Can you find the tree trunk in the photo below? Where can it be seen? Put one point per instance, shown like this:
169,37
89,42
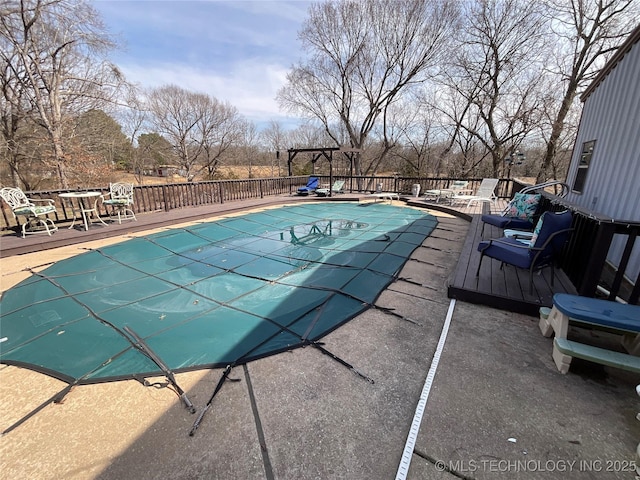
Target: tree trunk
556,131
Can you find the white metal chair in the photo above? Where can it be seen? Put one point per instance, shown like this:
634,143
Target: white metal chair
121,199
35,215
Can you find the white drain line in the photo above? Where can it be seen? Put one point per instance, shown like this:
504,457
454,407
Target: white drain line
403,468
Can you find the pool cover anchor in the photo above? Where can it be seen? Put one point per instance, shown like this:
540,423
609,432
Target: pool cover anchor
227,371
319,345
143,347
196,424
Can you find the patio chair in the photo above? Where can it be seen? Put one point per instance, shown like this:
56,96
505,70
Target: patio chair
121,199
522,212
310,187
485,193
550,235
337,187
457,187
35,215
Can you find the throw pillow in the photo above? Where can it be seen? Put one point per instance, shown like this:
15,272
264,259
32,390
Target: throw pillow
524,206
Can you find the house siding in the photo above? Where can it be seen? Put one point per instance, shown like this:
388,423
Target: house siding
611,117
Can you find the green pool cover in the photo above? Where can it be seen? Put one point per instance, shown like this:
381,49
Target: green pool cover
215,294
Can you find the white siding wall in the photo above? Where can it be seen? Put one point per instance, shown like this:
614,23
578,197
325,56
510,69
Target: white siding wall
611,117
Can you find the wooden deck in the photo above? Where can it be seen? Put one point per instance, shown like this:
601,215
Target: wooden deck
505,288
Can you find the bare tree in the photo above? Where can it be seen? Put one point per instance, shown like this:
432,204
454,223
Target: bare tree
249,148
275,140
586,32
222,128
199,127
134,118
13,113
418,135
493,82
58,49
363,56
308,136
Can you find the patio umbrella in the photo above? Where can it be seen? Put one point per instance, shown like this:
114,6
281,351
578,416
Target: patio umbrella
216,294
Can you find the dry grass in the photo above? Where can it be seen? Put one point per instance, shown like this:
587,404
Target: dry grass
224,172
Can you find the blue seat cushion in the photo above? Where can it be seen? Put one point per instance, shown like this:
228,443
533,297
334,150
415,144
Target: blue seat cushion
507,250
507,222
599,312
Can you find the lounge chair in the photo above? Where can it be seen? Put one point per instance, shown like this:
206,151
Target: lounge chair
593,313
485,193
524,209
337,187
310,187
36,220
549,236
457,187
121,199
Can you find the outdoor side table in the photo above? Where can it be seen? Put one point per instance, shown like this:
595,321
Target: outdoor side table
85,206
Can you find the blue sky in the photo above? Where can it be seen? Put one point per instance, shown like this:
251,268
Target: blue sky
237,51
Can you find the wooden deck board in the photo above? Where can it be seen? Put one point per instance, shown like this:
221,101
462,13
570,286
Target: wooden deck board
505,288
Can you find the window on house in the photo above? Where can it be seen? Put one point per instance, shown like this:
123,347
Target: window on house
583,166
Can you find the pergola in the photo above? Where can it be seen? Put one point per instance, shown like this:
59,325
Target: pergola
327,152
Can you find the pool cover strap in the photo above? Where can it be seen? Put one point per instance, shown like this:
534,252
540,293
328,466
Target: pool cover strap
56,398
196,424
319,346
143,347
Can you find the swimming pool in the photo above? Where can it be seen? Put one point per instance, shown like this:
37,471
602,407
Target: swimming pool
213,294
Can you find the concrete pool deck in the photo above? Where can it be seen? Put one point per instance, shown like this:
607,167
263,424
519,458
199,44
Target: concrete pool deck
497,408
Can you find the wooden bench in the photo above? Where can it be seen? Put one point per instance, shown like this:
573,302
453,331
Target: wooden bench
591,312
595,354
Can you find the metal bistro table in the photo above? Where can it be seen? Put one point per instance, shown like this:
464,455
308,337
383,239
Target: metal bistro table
85,205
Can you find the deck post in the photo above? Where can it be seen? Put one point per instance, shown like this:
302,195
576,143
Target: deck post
597,259
164,199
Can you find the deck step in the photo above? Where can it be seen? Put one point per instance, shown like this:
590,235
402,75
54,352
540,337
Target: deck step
599,355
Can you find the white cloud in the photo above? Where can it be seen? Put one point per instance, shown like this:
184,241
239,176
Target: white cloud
236,51
250,86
